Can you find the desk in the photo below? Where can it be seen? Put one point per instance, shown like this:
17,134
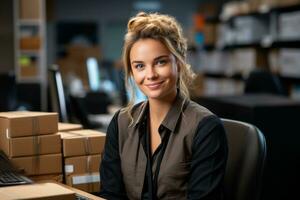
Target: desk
82,193
279,119
77,191
43,190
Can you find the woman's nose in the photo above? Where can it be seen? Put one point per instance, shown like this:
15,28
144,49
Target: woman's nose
151,73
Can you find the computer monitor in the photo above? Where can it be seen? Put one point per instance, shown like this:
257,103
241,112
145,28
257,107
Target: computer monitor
93,74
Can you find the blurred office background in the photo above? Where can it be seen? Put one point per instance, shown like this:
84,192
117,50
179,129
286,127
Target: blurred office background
235,48
227,41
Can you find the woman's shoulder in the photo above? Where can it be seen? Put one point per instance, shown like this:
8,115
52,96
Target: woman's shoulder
196,110
132,110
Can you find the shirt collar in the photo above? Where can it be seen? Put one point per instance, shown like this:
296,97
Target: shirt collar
142,113
172,116
174,113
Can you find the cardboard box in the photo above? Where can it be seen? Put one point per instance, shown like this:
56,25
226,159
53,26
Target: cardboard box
82,164
47,177
30,9
31,145
39,165
249,29
70,67
26,123
289,62
63,127
85,182
41,191
29,71
81,52
30,43
210,33
288,24
82,142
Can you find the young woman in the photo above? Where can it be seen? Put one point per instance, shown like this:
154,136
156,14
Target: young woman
167,147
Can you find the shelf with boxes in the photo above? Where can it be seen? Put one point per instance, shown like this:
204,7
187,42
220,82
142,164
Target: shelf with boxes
263,35
30,47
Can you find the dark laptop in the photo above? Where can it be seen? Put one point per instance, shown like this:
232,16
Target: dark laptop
8,174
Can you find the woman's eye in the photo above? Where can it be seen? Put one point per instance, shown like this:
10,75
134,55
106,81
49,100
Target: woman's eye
139,66
161,62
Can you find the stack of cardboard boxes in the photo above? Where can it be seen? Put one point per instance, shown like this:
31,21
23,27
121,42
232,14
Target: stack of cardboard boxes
82,151
41,147
31,141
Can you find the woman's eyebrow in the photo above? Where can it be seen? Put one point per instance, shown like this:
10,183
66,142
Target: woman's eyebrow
136,61
162,56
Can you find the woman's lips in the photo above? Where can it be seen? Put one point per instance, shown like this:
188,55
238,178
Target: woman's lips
154,86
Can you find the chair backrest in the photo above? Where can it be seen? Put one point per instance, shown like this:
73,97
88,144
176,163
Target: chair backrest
263,81
57,94
246,159
8,92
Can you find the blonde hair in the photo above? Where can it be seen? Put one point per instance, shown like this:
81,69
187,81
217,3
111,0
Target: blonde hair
168,31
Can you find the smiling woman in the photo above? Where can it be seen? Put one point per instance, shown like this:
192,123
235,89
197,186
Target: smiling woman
167,147
154,70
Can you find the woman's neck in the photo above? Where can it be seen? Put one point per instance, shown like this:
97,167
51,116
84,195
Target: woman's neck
159,109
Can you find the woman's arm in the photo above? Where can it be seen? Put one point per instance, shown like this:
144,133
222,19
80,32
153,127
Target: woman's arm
208,160
112,185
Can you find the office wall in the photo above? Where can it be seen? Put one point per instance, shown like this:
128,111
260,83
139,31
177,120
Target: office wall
6,36
111,17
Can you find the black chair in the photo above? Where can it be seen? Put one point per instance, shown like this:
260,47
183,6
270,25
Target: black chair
246,160
263,81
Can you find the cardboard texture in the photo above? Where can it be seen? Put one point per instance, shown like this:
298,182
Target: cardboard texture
82,164
39,165
40,191
48,177
29,9
82,142
210,33
26,123
29,71
63,127
85,182
30,43
31,145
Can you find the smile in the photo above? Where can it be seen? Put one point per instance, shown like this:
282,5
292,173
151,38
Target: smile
154,86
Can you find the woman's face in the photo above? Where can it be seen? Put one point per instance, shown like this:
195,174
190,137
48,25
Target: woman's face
154,69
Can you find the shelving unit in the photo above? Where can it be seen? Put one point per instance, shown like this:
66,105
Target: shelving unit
270,32
30,46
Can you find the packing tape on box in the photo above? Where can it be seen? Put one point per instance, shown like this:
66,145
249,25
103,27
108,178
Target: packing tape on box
87,143
88,164
7,133
36,164
87,146
83,179
35,126
88,168
36,145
